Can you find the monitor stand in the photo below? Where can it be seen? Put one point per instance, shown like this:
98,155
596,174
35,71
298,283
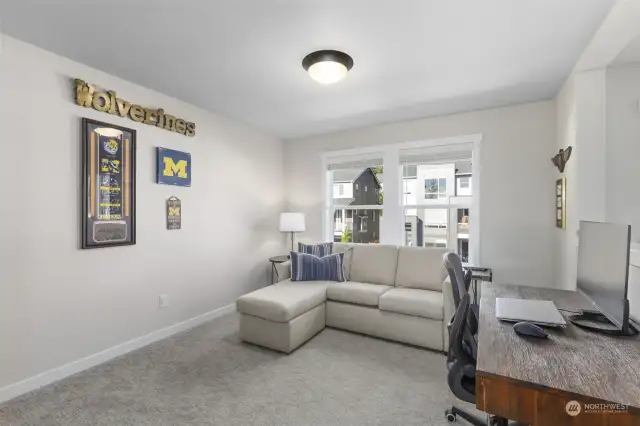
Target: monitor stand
597,322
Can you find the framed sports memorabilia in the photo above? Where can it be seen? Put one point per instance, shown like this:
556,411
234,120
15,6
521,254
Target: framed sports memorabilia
561,203
108,185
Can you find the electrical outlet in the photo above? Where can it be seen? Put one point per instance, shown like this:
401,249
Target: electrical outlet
163,300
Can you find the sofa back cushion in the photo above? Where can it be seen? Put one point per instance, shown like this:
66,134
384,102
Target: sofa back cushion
420,267
347,249
374,264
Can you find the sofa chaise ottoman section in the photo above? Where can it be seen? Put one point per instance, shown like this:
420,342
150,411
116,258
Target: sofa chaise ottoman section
283,316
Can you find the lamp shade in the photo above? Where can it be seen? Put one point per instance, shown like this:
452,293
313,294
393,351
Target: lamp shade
292,222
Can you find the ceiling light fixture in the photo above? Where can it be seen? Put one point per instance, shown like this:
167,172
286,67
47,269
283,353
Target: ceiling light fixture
327,66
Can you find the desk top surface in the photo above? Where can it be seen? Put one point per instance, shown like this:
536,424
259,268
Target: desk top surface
571,360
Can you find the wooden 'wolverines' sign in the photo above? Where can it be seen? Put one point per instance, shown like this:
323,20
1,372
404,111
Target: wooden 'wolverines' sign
87,96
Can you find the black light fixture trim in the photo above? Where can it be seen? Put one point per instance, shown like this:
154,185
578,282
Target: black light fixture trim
327,55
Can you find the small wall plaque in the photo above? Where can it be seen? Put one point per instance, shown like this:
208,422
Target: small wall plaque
174,213
561,203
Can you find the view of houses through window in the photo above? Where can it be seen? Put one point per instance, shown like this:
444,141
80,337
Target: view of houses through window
436,199
354,219
432,196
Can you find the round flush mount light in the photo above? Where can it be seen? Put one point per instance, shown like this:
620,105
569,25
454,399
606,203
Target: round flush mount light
327,66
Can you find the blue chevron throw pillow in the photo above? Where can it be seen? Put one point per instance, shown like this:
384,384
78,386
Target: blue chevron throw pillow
307,267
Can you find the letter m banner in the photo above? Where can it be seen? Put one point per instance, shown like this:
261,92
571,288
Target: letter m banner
173,167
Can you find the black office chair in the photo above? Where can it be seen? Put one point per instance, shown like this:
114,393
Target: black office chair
460,283
462,367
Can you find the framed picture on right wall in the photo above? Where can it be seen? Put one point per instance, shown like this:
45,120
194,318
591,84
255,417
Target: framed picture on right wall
561,203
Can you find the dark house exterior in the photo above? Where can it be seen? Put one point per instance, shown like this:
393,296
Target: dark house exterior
364,224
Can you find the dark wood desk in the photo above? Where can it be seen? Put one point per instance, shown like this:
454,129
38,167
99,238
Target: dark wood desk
533,380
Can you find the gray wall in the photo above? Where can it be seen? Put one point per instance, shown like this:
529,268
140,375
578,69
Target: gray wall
517,181
59,303
623,146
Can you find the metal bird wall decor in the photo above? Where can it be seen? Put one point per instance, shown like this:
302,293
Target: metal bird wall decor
561,158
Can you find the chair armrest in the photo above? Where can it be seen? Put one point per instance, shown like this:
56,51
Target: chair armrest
449,310
283,270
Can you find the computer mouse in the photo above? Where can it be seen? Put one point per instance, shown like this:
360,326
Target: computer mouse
525,328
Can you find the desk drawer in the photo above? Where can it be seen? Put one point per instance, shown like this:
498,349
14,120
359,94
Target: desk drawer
541,406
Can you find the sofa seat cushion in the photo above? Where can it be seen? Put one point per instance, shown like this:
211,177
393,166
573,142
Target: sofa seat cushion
411,301
355,292
283,301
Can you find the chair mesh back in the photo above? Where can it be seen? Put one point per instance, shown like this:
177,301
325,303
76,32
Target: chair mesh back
453,264
457,333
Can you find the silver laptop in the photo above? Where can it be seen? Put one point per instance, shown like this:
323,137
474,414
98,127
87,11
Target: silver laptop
540,312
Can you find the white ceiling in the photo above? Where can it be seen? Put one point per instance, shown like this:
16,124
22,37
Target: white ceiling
241,58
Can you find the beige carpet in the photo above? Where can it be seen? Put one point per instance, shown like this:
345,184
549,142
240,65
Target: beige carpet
206,376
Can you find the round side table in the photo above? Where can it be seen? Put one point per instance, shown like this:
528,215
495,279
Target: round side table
275,260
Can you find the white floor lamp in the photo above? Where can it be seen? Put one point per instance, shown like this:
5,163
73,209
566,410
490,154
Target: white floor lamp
292,222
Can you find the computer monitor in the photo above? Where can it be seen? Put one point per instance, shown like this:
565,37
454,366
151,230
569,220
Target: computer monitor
603,272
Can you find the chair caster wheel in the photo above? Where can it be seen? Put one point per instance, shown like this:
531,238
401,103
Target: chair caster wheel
498,421
451,417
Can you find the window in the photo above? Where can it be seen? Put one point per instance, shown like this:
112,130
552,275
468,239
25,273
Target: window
463,185
357,215
462,236
436,218
342,189
424,203
363,223
435,188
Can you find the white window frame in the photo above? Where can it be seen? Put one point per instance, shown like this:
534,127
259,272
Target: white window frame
392,228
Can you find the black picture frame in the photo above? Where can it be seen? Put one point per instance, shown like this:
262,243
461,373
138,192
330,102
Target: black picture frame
108,211
561,203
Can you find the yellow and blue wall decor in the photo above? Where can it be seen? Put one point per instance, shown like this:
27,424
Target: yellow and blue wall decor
174,167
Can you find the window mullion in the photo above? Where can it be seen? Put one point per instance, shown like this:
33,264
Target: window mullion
392,223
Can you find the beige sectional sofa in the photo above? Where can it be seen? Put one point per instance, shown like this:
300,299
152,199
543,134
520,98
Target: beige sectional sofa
396,293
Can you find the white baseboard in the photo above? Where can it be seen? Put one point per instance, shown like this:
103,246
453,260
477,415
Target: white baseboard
16,389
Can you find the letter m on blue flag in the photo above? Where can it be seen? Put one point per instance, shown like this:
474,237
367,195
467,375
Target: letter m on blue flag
173,167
